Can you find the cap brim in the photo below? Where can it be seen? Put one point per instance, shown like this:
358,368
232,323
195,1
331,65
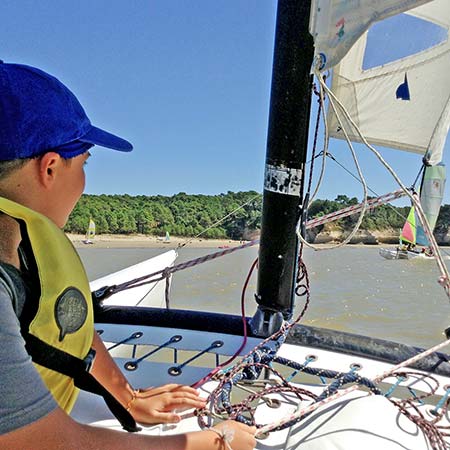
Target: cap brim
102,138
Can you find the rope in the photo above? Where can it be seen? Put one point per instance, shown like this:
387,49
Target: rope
244,341
371,190
258,358
444,279
313,153
262,357
325,149
107,291
302,412
361,177
348,211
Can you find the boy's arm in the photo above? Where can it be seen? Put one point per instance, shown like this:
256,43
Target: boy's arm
106,371
58,431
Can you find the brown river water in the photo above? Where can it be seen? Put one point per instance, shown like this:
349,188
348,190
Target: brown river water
352,289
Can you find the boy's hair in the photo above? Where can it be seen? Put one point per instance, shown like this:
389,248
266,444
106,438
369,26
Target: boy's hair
8,167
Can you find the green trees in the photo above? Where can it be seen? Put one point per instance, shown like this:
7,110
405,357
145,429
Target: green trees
181,214
190,215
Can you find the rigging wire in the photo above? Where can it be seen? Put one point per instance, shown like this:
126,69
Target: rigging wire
313,157
395,210
322,83
444,279
181,245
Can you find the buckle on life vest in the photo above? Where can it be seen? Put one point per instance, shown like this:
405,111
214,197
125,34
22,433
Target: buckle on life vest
89,360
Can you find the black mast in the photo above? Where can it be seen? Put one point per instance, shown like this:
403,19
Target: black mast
287,139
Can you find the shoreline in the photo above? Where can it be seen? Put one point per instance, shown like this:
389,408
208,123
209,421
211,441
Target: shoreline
145,241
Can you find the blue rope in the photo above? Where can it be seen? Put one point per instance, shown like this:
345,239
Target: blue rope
441,402
264,356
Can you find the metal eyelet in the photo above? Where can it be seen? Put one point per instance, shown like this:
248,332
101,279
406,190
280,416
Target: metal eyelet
131,366
174,371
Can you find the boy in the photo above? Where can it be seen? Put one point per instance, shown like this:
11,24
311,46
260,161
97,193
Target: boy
45,308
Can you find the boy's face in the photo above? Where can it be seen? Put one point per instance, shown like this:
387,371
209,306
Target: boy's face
68,188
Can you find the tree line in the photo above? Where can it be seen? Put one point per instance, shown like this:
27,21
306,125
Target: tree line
180,214
189,215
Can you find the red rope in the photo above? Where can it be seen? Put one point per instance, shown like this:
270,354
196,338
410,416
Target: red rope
244,325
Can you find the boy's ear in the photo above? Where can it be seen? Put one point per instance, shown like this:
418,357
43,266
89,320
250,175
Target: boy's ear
49,164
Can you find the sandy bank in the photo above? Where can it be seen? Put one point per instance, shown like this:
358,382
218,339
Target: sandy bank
143,241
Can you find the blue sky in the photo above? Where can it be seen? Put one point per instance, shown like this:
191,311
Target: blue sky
186,81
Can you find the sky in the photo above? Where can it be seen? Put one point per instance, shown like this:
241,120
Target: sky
186,81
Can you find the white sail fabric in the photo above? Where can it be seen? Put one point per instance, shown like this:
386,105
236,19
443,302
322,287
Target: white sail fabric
90,233
337,24
431,195
418,123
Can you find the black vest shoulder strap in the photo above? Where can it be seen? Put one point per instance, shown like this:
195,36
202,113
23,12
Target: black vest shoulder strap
78,369
55,359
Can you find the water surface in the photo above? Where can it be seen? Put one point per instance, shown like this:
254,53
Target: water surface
352,289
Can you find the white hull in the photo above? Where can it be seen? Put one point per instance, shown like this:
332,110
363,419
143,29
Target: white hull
356,420
389,253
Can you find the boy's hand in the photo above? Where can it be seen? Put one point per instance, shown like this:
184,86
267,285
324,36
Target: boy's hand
156,405
242,437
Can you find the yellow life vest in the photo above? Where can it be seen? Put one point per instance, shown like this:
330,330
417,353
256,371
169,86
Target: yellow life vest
64,314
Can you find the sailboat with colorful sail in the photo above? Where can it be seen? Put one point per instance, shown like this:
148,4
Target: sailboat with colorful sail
413,238
90,233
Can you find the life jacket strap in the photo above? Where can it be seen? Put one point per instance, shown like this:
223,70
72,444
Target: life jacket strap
78,369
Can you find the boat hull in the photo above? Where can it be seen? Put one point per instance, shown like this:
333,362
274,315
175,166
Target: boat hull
314,347
389,253
151,294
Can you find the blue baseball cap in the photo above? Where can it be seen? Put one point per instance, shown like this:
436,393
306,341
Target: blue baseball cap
39,114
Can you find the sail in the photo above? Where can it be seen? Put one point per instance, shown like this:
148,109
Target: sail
336,25
90,233
404,104
431,195
409,229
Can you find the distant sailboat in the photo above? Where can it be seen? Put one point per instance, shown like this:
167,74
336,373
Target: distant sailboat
413,240
165,239
90,233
